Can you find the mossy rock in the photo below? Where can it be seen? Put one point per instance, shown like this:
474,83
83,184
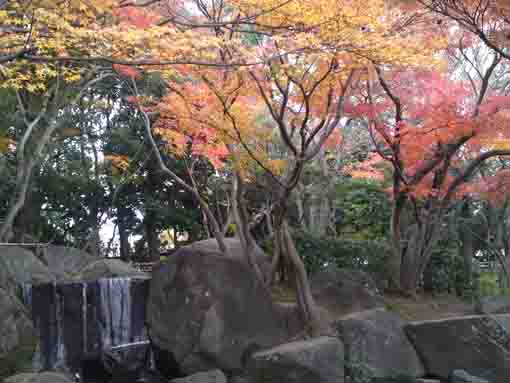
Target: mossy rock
20,359
396,379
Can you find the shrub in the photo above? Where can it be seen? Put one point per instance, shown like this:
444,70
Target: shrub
366,255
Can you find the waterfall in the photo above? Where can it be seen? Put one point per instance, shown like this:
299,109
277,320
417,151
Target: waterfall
60,361
26,294
79,321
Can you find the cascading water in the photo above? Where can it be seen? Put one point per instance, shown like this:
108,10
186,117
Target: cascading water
83,321
26,294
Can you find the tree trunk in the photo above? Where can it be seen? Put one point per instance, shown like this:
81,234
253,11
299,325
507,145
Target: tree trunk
150,216
151,237
398,249
242,221
125,249
303,289
25,166
466,250
26,224
17,201
416,255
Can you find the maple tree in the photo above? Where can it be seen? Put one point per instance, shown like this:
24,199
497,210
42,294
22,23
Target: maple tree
485,19
435,132
240,75
310,60
48,46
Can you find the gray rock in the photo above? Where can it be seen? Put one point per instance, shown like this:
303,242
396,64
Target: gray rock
461,376
207,311
14,323
292,318
130,359
344,291
494,305
44,377
23,266
319,360
238,379
213,376
296,326
236,251
108,268
65,262
375,340
17,335
480,345
6,281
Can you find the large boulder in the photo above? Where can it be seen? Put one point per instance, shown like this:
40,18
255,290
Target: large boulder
375,341
236,251
344,291
17,335
213,376
207,311
480,345
66,262
494,305
44,377
461,376
6,281
23,266
108,268
319,360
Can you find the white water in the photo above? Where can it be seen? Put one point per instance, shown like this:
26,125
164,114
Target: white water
109,314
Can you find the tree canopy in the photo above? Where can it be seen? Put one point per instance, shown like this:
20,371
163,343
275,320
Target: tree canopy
176,120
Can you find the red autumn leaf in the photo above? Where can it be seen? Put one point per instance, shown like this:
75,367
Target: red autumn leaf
127,71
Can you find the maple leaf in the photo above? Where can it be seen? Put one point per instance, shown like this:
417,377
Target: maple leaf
127,71
333,141
119,163
139,18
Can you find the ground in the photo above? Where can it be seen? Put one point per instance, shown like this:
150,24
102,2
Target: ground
428,307
418,308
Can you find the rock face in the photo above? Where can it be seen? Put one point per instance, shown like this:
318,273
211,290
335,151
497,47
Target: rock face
319,360
17,336
494,305
461,376
23,266
14,322
65,262
213,376
108,268
79,321
480,345
207,311
375,340
236,251
344,291
44,377
6,281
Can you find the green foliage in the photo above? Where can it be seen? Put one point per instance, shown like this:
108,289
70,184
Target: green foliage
364,210
440,273
446,272
367,255
358,372
489,285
